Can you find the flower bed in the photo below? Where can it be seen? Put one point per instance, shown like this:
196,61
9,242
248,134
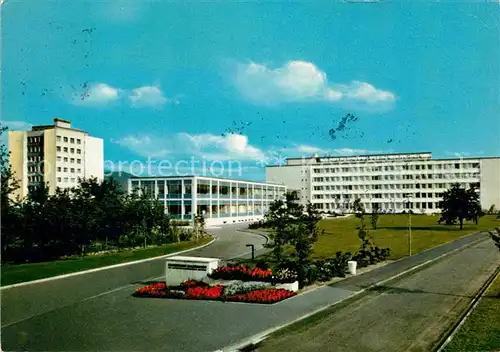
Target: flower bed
237,292
241,272
270,295
244,273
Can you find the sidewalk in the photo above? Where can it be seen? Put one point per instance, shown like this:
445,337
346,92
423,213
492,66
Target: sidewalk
311,302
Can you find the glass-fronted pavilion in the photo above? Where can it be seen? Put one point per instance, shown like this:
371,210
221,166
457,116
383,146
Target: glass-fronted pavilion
219,200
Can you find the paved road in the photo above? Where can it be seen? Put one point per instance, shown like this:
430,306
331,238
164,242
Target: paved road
408,315
20,303
115,321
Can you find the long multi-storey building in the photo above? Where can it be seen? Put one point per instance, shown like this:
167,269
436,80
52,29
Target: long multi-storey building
56,155
393,182
219,200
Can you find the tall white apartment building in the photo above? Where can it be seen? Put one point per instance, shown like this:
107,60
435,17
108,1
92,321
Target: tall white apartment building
57,155
395,182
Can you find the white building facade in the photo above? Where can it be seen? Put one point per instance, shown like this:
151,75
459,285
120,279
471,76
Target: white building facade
393,182
219,200
56,155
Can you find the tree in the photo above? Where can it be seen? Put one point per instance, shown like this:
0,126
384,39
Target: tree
460,204
375,215
475,211
199,224
9,210
359,211
303,236
278,218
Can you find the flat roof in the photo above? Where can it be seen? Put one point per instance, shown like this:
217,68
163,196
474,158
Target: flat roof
200,176
393,154
191,259
356,155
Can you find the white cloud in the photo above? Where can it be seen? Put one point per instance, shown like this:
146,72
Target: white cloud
144,145
102,94
208,146
97,94
147,96
302,81
362,91
230,146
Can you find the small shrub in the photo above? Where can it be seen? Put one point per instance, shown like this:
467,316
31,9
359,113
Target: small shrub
244,287
312,274
285,276
262,265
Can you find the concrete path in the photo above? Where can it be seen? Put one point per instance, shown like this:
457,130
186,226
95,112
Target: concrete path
116,321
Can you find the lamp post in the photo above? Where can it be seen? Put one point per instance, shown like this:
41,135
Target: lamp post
410,197
253,250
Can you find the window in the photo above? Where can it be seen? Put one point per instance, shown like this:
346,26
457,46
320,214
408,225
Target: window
78,151
58,148
457,166
72,140
72,150
79,170
78,141
65,139
65,149
65,160
72,170
65,179
73,179
72,160
78,161
429,167
59,168
59,158
58,179
65,169
58,138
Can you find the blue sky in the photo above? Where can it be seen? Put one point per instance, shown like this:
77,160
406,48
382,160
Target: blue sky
256,82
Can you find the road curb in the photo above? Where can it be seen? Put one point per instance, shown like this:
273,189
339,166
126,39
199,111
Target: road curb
246,344
446,339
254,233
105,267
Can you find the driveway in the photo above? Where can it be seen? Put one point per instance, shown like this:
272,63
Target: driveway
30,301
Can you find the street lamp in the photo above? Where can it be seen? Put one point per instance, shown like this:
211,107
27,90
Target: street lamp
253,250
410,197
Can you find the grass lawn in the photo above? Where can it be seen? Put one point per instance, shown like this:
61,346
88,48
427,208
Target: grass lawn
12,274
481,330
392,232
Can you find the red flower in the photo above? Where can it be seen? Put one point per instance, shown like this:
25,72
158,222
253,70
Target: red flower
200,292
271,295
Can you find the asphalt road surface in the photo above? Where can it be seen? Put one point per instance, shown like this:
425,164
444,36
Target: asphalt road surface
25,305
410,314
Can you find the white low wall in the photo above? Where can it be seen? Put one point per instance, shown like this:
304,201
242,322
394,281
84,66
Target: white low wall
233,220
181,268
